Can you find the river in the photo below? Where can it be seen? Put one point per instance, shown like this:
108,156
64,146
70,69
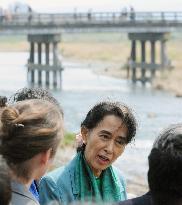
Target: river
81,89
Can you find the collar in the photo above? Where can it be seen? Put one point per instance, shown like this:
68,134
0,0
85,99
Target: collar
20,189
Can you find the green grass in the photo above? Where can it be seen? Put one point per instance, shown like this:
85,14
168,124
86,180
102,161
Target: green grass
68,140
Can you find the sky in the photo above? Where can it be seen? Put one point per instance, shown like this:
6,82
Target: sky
98,5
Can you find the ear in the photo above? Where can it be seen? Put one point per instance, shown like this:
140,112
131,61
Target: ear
84,133
45,156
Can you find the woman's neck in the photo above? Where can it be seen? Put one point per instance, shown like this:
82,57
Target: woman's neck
21,180
96,172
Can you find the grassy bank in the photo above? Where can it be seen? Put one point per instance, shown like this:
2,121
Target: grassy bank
171,80
13,43
68,140
65,152
102,47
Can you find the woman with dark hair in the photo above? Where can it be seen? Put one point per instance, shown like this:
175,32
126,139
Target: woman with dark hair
3,101
30,133
34,93
90,176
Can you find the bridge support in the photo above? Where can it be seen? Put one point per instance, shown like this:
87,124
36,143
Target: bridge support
45,64
140,70
133,58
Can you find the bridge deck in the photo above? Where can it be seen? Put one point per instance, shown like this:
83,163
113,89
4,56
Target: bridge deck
102,21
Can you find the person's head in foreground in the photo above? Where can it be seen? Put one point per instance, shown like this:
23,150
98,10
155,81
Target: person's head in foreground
165,167
34,93
30,134
28,94
3,101
5,185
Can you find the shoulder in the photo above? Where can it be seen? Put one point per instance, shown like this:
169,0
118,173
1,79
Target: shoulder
58,184
54,175
145,199
117,171
59,179
120,176
142,200
19,199
62,173
120,181
21,195
127,202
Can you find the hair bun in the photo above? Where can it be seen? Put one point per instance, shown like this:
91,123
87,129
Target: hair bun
8,118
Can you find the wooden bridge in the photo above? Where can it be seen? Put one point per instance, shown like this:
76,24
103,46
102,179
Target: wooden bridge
46,29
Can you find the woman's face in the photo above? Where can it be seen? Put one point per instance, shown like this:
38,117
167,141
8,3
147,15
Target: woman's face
104,143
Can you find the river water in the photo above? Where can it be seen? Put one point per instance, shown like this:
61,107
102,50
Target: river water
81,89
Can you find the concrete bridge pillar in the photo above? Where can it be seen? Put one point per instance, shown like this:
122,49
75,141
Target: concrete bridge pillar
47,62
55,62
31,60
143,52
164,59
49,66
39,62
143,66
133,59
153,57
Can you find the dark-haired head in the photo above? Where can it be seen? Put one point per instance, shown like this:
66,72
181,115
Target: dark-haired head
5,185
106,130
34,93
165,167
103,109
3,101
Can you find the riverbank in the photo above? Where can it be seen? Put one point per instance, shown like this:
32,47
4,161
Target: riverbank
109,57
107,54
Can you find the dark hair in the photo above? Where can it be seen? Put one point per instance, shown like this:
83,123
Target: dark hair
29,127
34,93
5,185
102,109
165,167
3,101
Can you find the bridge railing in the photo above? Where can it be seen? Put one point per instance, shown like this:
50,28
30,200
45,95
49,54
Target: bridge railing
90,17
